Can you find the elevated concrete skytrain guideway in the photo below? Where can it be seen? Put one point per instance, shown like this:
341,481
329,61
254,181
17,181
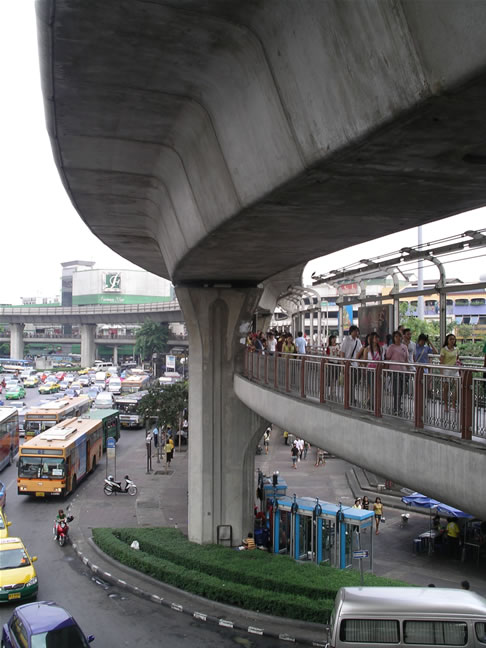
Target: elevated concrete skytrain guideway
223,144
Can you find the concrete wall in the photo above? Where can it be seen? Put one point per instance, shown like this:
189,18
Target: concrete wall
450,470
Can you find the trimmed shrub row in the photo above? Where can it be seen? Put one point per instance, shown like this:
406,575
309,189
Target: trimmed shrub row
250,579
200,583
269,571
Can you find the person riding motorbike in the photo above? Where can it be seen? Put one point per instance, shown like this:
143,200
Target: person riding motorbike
60,517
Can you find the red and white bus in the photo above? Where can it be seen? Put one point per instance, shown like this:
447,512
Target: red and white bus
9,435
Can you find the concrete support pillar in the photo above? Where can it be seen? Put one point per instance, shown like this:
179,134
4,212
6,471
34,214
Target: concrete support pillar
221,481
341,322
319,328
17,341
87,344
115,355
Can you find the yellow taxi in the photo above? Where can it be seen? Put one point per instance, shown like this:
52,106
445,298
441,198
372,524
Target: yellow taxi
3,525
49,388
83,372
33,381
18,579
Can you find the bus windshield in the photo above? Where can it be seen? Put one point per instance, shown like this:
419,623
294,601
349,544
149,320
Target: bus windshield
45,467
127,408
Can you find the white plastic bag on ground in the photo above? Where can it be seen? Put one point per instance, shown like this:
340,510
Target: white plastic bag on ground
135,545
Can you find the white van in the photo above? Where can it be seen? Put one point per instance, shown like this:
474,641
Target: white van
114,385
100,379
104,400
407,616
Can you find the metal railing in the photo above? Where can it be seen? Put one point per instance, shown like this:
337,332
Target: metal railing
449,399
97,309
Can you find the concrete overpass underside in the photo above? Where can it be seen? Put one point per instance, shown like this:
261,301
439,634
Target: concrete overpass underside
222,143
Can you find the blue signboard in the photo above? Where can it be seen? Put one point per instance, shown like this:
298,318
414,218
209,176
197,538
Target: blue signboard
110,442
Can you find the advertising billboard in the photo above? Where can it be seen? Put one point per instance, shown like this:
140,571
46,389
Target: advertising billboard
377,319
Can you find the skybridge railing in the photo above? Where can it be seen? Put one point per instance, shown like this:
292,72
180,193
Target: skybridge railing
437,397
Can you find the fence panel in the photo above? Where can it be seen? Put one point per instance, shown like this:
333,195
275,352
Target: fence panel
442,399
479,407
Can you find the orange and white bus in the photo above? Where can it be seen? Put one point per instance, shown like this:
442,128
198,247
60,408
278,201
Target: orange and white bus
55,461
38,419
9,435
135,383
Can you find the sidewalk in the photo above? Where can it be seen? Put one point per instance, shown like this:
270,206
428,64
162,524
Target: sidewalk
162,501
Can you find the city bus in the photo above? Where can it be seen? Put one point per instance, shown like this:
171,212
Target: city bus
9,435
38,419
110,420
127,405
56,460
135,383
12,366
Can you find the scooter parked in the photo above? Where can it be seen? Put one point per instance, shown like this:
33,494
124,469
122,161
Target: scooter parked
111,486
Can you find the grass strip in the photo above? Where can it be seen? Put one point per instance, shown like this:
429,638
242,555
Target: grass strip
253,580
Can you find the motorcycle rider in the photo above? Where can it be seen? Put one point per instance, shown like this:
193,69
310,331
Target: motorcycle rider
60,517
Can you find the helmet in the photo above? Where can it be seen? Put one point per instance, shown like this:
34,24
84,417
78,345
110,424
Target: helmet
111,478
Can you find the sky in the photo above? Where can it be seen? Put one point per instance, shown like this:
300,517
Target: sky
39,226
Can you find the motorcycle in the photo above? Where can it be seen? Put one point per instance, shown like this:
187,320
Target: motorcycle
111,486
61,530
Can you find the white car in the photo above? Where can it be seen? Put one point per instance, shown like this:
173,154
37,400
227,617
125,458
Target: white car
104,400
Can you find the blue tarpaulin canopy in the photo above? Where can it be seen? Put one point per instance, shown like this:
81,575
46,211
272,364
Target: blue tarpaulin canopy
417,499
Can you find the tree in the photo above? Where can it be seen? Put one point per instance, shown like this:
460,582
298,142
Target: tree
152,338
165,403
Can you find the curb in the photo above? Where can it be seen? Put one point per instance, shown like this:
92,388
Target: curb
200,616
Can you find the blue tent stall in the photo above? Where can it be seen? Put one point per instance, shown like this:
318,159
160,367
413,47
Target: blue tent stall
308,529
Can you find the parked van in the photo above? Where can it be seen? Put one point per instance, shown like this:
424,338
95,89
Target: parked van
407,616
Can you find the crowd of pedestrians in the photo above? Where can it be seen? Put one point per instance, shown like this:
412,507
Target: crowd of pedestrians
398,350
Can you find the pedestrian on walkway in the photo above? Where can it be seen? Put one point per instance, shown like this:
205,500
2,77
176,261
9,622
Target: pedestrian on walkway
452,537
300,343
320,457
286,437
266,438
306,448
168,452
155,434
294,452
378,510
365,503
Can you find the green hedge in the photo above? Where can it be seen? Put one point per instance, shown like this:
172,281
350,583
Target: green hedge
253,580
203,584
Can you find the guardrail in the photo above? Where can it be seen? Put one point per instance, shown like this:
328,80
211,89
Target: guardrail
450,399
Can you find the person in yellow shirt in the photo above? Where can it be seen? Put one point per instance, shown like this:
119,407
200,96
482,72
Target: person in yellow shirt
378,510
453,534
249,542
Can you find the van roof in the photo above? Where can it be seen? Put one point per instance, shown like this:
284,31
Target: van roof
397,601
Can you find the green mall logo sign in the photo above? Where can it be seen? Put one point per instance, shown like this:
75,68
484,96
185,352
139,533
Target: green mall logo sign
111,282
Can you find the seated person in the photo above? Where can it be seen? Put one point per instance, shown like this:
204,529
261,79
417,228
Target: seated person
249,542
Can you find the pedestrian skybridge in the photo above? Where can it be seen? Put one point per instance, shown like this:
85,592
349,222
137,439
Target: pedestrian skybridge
422,426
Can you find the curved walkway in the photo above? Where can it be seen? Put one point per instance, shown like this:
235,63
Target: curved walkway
354,412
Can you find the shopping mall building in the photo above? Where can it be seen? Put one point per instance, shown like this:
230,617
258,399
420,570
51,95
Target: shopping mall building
84,285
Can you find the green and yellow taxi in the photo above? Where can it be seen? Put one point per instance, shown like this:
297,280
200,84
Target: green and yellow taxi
33,381
15,392
3,525
49,388
18,580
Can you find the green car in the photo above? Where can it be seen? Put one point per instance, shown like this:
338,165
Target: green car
15,393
